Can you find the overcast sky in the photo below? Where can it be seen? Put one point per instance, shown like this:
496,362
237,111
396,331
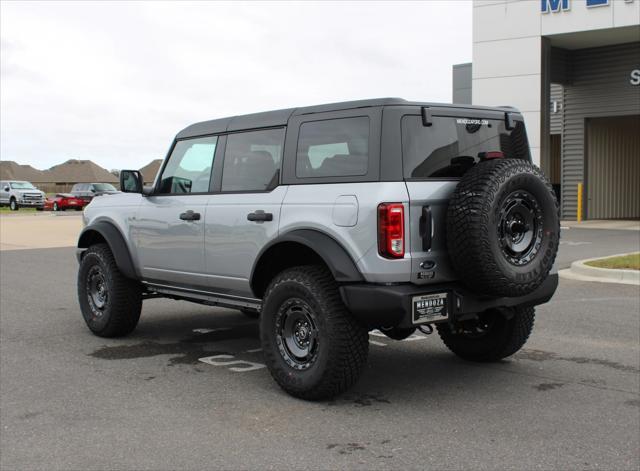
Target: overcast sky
114,82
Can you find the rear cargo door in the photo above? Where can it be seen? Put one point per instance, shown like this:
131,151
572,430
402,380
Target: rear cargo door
438,148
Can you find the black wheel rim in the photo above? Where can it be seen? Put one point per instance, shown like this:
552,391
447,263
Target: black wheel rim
297,334
97,292
520,227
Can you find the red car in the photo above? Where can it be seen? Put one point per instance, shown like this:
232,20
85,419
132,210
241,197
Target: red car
63,201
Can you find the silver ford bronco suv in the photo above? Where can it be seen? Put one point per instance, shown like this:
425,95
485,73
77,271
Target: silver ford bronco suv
330,221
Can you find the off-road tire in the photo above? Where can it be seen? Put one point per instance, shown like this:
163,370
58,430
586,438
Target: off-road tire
343,343
507,336
13,205
476,215
123,304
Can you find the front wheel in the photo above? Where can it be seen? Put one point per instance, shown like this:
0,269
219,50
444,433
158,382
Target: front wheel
13,205
313,347
56,207
494,335
110,302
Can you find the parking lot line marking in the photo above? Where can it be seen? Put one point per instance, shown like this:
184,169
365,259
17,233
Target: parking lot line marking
254,350
215,360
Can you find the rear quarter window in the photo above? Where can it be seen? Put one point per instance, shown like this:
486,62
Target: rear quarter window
333,148
451,146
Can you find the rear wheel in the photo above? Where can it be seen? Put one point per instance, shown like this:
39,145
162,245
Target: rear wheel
496,334
55,206
110,302
313,347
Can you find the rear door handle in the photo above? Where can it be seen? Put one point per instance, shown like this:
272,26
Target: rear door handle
260,216
190,216
426,228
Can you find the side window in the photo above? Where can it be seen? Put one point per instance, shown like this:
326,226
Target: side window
189,167
333,148
252,160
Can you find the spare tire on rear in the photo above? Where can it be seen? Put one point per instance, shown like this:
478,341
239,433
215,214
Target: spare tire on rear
503,228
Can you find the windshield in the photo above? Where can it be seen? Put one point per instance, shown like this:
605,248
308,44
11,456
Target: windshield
103,187
22,186
451,146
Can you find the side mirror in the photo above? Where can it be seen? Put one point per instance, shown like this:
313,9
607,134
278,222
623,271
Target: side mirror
6,188
131,181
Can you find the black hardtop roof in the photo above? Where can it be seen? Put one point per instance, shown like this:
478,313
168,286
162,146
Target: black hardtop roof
281,117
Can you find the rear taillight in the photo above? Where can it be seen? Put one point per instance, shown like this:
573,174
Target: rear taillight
391,230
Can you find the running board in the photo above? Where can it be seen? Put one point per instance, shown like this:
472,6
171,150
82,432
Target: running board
214,299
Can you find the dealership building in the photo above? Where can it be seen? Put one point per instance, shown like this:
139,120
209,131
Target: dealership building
572,67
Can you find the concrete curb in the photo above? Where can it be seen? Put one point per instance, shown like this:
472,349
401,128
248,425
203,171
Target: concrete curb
612,225
581,271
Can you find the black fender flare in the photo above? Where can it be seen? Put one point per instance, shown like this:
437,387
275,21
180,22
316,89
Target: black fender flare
113,237
340,263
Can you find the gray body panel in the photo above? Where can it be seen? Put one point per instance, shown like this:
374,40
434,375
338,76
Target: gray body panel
232,243
326,208
170,249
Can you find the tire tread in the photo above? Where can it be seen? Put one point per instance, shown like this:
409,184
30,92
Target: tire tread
468,223
349,338
125,295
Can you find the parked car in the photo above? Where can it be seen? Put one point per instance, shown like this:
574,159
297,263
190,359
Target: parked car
20,194
87,191
64,201
378,214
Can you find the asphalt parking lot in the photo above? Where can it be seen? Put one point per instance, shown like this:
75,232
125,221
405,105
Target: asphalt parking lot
188,389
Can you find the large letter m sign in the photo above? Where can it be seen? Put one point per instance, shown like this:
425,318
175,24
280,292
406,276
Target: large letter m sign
553,5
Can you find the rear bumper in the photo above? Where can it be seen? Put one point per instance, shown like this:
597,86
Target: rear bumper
390,305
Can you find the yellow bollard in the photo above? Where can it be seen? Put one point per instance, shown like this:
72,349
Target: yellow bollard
579,211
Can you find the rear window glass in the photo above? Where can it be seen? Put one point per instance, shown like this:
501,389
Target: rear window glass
451,146
333,148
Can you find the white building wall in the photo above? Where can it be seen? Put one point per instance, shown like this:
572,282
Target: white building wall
507,50
507,60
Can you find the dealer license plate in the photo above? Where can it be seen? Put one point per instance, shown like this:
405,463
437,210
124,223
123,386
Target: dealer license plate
430,308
